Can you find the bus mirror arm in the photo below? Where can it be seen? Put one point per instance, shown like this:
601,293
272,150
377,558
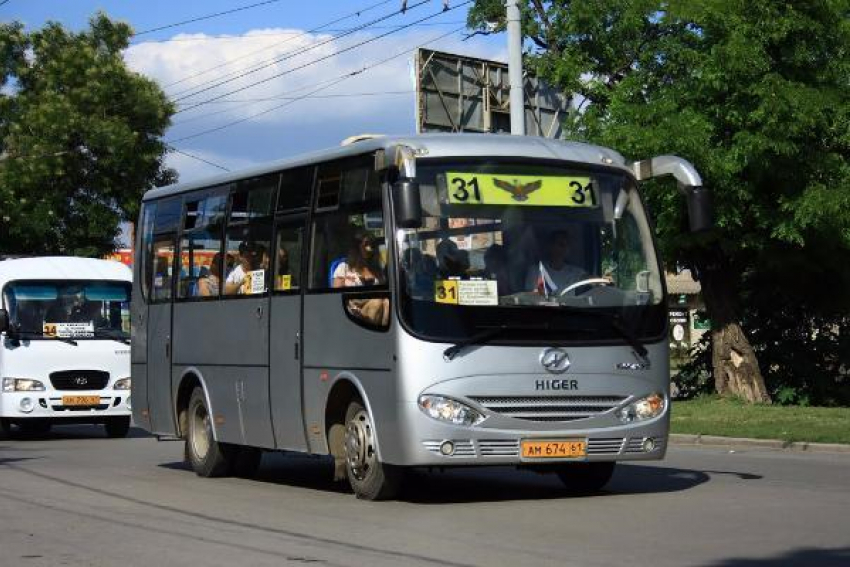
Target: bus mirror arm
689,183
407,205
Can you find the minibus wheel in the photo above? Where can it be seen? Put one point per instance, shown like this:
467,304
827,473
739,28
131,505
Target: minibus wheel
586,477
370,479
207,457
117,427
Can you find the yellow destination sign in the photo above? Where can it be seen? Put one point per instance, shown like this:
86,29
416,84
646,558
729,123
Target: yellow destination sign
526,190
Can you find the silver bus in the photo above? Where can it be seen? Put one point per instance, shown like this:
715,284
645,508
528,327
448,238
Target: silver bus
425,301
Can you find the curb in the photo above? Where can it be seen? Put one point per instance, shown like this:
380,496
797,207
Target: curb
717,441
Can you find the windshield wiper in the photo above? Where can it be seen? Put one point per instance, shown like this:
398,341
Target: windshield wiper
113,334
486,335
17,333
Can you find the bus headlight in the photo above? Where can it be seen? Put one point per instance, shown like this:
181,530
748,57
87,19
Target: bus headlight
451,411
645,408
122,384
22,385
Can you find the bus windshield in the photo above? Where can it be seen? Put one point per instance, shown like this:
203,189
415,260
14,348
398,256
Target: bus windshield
77,310
536,247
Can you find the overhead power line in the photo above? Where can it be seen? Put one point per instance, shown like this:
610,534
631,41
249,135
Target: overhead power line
313,92
291,37
230,77
319,60
231,37
187,154
207,17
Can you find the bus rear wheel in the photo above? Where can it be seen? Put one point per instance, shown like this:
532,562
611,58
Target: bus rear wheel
370,479
208,457
117,427
583,478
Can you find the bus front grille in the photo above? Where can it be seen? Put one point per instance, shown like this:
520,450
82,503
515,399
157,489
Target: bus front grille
549,408
79,379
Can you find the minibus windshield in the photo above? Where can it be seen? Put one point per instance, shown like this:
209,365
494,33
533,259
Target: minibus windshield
526,243
69,310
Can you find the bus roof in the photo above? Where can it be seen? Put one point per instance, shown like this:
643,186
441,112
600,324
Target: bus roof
62,268
428,146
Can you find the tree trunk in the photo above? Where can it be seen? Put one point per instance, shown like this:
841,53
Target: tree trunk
736,369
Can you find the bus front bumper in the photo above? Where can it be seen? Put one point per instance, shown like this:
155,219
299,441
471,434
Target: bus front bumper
81,407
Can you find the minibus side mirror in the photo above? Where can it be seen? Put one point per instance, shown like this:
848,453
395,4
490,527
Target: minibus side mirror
4,320
699,209
408,207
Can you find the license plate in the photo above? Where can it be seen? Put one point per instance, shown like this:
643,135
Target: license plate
80,400
561,449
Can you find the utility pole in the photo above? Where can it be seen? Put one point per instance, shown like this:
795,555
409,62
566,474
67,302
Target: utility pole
515,69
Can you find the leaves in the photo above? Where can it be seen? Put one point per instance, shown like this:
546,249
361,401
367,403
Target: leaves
80,135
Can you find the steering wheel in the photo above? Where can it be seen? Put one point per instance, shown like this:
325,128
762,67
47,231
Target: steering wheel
589,281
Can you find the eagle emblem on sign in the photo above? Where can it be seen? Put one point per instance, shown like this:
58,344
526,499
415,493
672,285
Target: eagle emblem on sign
519,191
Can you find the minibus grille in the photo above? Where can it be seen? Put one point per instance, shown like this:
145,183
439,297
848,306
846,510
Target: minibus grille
549,408
79,379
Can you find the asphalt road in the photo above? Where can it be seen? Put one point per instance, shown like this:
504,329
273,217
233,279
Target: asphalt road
76,498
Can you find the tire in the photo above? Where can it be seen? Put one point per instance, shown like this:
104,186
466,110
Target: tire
6,426
117,427
208,457
370,479
245,461
34,426
584,478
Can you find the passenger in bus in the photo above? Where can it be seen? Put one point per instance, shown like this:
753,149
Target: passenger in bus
421,270
451,260
553,273
238,276
90,311
362,266
161,278
210,282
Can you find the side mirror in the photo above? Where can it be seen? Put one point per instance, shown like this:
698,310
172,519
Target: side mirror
699,209
4,320
408,207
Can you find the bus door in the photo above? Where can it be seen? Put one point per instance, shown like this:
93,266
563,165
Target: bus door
159,345
286,332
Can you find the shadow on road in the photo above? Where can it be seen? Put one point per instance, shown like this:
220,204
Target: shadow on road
839,557
486,484
71,431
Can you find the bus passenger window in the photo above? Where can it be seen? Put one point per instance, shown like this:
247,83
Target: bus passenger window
347,253
200,246
288,261
247,260
163,253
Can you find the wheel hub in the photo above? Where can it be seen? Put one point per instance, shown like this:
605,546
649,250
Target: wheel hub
359,445
201,432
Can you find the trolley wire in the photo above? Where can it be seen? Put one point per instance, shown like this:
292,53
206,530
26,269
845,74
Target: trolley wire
319,60
207,17
230,77
292,37
313,92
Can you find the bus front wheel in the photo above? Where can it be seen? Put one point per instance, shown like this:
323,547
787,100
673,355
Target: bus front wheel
370,479
586,477
208,457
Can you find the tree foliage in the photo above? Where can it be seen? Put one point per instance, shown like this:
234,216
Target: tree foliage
80,138
755,93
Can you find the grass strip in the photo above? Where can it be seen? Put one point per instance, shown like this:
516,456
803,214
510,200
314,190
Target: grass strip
734,418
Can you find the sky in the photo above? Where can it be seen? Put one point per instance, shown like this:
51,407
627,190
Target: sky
277,79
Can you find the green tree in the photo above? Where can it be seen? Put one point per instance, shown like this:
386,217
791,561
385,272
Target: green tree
755,94
80,138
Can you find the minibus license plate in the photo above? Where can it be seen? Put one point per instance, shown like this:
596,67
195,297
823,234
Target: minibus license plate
80,400
563,449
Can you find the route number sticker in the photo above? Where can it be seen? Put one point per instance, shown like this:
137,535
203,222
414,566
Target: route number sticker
524,190
466,292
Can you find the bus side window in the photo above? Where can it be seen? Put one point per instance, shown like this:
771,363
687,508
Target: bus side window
166,220
288,258
146,243
248,252
200,245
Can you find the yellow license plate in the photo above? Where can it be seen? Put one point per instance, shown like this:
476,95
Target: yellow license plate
563,449
80,400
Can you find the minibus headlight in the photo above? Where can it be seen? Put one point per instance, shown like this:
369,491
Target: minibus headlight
122,384
645,408
446,409
22,385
